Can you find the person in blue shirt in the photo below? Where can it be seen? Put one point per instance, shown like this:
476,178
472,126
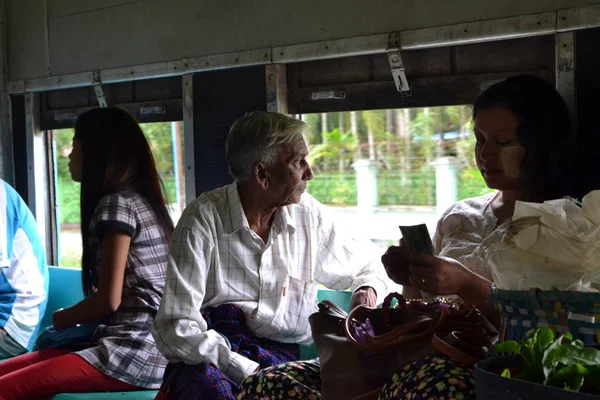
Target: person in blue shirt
23,275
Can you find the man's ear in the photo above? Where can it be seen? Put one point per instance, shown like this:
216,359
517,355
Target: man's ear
261,175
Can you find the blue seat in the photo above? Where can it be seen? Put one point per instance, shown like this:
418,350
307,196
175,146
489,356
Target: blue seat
138,395
339,297
66,290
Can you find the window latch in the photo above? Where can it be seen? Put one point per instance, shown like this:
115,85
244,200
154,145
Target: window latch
99,91
398,71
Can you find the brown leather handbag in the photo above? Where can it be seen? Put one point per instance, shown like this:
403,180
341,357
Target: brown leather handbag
357,366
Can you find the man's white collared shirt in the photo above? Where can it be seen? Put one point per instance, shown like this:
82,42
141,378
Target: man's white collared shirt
215,258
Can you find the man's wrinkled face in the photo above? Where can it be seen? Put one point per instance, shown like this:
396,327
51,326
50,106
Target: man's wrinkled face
290,174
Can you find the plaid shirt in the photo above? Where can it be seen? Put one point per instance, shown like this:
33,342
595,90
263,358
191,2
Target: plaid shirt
215,258
125,348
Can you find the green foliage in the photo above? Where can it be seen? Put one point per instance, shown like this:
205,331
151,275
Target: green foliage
559,362
337,145
70,260
471,184
340,189
159,136
67,189
374,121
63,139
343,191
410,189
70,247
465,151
313,128
394,188
68,200
333,188
423,126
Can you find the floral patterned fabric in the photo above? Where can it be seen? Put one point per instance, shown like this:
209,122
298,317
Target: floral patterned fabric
298,380
432,378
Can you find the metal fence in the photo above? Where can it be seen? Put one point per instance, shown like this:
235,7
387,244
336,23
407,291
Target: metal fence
393,188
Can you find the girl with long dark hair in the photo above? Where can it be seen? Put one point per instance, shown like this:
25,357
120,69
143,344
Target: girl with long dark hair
125,228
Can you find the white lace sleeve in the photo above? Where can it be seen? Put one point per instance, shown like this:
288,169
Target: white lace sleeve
462,228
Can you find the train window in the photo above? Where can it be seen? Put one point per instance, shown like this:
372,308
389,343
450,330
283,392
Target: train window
166,140
400,165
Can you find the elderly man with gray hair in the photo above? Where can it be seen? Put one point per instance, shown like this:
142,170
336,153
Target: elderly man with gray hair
245,263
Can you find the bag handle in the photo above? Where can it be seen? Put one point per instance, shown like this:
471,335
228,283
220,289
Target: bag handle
465,348
421,323
470,315
330,308
421,327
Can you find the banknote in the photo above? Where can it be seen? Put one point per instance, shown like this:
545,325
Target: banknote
417,239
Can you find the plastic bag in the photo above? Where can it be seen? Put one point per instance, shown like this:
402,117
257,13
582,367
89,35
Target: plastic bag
554,245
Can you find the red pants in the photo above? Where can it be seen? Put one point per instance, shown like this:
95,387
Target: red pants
47,372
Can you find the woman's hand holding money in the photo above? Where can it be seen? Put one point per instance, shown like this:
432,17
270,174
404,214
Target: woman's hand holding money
445,276
396,262
438,275
435,275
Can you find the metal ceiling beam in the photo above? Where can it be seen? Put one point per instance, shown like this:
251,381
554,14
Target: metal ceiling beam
450,35
480,31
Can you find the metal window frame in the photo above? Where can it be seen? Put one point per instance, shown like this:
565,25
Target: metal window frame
547,23
7,171
187,82
41,194
32,129
145,71
52,221
565,71
277,92
65,118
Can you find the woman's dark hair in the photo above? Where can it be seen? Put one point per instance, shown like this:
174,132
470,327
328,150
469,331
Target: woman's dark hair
116,155
544,130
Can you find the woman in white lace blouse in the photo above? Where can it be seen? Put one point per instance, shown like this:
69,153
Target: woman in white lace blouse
523,134
523,150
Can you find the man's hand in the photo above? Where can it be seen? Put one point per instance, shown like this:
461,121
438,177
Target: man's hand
364,296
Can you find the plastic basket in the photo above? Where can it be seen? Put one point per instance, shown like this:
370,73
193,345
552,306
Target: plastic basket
575,312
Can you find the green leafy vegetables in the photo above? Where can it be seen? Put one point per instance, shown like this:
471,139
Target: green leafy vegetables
561,362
